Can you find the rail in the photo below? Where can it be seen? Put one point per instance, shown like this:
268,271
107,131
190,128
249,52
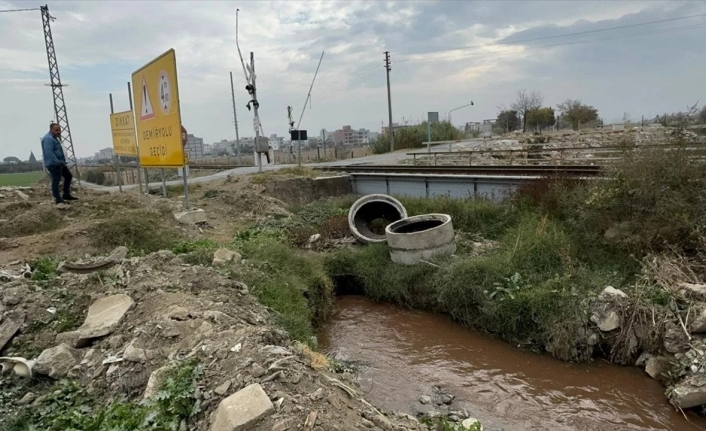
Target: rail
496,170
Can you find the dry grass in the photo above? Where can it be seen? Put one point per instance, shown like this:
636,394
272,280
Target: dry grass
317,361
300,171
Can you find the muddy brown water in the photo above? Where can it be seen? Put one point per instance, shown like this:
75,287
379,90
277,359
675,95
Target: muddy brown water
403,353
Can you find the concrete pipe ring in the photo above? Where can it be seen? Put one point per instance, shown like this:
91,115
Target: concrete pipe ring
370,214
421,237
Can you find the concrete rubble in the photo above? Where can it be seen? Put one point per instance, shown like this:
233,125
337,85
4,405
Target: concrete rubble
658,368
103,317
10,323
137,334
56,362
224,256
240,411
191,216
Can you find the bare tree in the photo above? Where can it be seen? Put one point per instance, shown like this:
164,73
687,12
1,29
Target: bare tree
526,102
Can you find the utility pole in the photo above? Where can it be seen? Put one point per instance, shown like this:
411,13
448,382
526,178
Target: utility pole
251,87
235,120
389,101
62,118
256,105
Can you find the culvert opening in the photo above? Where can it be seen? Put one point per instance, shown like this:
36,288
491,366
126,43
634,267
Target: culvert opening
372,218
417,226
348,285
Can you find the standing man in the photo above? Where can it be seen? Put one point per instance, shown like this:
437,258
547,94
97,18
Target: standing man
55,162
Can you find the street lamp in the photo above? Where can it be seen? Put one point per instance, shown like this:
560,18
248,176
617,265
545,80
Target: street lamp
455,109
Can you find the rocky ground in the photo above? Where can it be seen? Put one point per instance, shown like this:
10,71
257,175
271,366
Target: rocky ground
112,334
147,314
557,147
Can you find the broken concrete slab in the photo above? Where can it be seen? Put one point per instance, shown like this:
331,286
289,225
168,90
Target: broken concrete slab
155,381
103,317
191,216
690,392
22,196
57,361
242,410
223,256
612,293
11,323
134,354
606,321
658,368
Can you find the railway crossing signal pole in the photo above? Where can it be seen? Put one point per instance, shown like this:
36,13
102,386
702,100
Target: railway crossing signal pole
62,118
389,101
235,120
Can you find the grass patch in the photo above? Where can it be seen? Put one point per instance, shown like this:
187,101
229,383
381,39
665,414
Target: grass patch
299,171
199,252
44,269
32,222
291,282
69,406
484,217
140,231
21,179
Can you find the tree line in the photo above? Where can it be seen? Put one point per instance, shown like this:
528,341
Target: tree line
527,112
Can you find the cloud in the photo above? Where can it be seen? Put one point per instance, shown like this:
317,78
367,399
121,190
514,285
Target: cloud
99,45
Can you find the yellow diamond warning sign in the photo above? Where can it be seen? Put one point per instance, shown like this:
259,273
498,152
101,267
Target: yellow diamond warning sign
156,96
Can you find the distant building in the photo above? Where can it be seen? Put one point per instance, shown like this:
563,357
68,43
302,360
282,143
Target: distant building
223,147
472,127
276,142
487,125
194,147
351,137
105,153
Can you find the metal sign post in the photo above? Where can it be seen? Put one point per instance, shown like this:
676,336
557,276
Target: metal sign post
139,176
184,141
116,158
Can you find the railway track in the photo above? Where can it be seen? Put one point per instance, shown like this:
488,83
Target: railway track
549,170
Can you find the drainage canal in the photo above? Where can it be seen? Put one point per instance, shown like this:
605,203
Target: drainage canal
403,353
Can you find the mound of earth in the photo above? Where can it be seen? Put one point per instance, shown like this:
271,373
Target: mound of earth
151,313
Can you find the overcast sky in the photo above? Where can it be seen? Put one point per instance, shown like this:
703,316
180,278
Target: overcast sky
638,69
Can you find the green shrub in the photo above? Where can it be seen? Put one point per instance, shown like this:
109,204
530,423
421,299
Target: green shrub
95,177
291,282
43,269
414,136
139,231
70,407
487,218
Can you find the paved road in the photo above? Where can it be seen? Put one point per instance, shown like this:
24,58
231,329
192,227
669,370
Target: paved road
378,159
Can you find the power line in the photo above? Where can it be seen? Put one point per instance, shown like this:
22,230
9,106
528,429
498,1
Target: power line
18,10
574,42
556,36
